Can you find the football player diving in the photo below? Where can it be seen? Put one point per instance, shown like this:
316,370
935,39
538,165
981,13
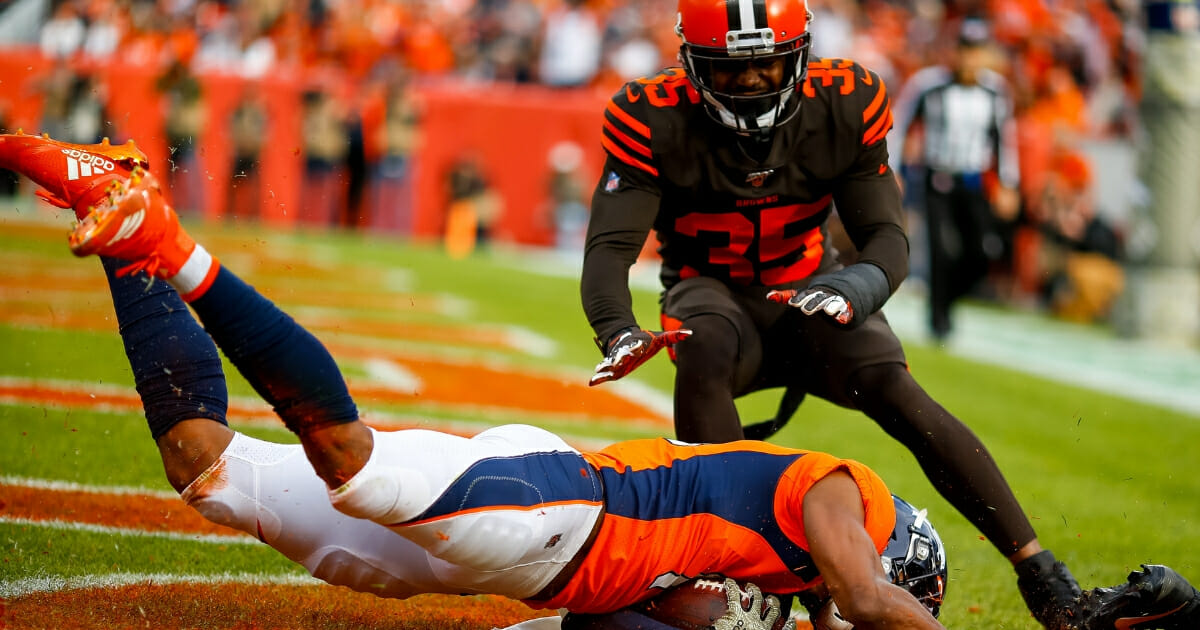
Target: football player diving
512,511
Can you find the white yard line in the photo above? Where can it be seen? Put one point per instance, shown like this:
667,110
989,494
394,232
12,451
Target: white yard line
71,486
218,539
47,584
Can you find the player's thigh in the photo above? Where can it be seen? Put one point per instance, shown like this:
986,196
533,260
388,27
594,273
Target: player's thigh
714,312
821,356
514,498
270,491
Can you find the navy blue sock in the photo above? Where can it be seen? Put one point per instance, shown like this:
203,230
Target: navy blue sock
284,363
176,367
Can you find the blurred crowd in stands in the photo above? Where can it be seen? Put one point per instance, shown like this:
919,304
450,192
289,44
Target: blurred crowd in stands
1072,66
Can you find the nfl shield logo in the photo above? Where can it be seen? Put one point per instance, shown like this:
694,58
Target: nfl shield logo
757,178
614,181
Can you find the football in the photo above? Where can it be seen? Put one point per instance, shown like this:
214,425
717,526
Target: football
695,605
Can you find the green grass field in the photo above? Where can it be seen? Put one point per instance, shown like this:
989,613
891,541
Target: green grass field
1109,483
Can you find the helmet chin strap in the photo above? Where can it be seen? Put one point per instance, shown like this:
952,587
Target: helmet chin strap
760,126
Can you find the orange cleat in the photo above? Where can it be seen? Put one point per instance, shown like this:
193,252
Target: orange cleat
71,175
135,223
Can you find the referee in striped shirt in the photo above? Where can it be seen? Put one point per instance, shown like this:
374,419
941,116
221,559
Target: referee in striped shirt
970,165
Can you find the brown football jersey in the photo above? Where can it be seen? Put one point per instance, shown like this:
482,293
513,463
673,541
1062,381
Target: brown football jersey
742,210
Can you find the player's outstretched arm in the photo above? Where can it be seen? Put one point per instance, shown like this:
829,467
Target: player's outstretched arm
843,551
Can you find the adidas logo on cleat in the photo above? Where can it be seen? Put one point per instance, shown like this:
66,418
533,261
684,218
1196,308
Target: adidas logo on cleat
84,164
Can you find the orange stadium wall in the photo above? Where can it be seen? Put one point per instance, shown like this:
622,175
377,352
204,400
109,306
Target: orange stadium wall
137,111
509,129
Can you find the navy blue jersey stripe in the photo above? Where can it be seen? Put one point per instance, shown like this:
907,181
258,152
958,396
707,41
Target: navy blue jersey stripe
726,485
524,480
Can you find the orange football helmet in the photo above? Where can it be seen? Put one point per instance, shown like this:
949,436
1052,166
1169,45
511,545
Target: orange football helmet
726,35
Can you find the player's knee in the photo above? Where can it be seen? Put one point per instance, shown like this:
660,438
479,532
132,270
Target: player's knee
387,488
227,492
712,346
882,384
229,504
890,396
190,447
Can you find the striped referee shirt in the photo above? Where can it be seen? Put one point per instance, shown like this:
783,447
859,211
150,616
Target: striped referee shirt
968,128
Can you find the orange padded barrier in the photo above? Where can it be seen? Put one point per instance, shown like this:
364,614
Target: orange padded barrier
508,129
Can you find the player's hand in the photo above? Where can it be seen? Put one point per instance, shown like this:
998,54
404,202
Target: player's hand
632,348
738,618
816,300
830,618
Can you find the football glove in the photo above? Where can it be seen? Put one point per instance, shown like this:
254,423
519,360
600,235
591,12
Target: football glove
816,300
739,618
631,348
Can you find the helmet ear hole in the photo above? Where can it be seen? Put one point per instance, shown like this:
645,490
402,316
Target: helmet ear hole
914,558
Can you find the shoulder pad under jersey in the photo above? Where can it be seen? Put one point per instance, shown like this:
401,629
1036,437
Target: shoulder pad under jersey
635,114
853,93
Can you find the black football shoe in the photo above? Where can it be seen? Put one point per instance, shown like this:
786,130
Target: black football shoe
1155,597
1050,591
